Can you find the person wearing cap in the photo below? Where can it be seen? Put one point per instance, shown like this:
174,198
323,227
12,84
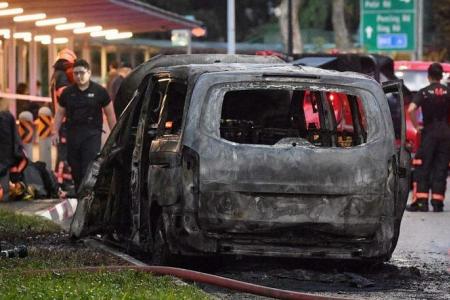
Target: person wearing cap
63,74
62,77
82,105
434,152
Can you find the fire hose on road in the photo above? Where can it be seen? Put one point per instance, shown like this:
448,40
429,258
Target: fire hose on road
195,276
185,274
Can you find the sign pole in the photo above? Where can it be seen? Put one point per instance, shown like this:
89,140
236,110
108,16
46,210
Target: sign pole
231,27
420,30
290,41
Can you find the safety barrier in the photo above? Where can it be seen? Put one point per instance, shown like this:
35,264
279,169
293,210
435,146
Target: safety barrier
26,132
44,125
41,128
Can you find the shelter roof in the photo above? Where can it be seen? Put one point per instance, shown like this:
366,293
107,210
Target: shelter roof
124,15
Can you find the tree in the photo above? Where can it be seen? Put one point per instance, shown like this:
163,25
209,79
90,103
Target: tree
283,21
341,36
441,29
250,15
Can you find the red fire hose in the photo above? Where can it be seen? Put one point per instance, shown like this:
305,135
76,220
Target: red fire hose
203,278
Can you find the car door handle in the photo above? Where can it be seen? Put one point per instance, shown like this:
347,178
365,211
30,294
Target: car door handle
162,165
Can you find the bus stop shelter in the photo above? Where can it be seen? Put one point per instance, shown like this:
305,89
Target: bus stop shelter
26,25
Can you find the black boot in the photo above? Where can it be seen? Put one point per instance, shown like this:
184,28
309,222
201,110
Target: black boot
438,206
419,205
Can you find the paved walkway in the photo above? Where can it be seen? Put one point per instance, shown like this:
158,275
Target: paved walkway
29,207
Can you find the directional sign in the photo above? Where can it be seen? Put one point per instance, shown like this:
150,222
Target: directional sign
388,25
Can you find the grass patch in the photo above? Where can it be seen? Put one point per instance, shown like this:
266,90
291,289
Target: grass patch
50,248
67,256
101,285
16,226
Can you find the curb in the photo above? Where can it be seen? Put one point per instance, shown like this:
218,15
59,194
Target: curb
61,211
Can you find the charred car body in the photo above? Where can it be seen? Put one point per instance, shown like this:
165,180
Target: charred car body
250,159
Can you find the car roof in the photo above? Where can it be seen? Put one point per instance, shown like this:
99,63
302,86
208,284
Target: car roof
417,65
278,69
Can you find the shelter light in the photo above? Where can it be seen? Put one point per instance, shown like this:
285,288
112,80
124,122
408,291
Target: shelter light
3,5
60,40
27,38
87,29
22,35
11,11
120,35
49,22
104,32
33,17
70,26
46,42
40,38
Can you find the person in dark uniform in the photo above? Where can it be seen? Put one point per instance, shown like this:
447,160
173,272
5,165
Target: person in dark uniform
82,105
434,151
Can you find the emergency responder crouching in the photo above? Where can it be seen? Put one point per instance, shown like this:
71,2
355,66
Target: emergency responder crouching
434,150
82,104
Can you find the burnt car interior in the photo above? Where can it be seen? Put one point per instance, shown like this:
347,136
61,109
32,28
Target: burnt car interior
159,107
164,118
268,117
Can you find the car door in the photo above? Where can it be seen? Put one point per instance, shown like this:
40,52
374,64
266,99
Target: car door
146,132
402,162
165,158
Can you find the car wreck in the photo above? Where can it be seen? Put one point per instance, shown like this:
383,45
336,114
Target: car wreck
237,155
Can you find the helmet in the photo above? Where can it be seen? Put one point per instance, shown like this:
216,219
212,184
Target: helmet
67,54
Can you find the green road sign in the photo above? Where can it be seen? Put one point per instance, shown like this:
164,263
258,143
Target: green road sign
388,25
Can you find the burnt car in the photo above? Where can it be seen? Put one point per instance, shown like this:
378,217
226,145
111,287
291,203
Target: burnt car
250,159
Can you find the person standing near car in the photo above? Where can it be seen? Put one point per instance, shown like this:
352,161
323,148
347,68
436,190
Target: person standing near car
82,104
434,150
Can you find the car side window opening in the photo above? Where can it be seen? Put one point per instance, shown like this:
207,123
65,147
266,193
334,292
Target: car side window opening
266,117
152,113
171,116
